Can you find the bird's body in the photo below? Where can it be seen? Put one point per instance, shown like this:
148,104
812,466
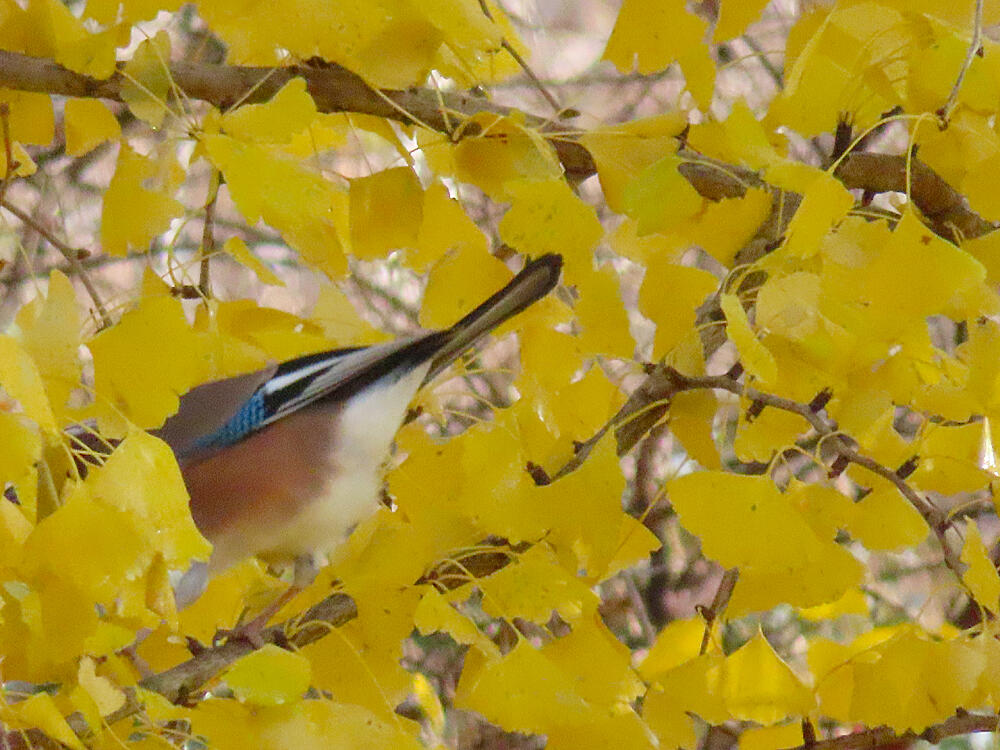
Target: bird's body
285,462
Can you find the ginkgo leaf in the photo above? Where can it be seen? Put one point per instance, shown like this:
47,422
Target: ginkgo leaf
30,118
147,359
310,212
147,79
133,212
755,357
670,297
436,614
393,191
548,217
236,247
288,112
885,520
269,676
602,315
659,198
457,283
981,576
40,711
734,17
650,35
445,228
758,686
89,123
49,330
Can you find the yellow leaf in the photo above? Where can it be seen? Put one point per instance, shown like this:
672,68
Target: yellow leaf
386,212
31,118
435,614
771,431
269,676
524,691
981,576
599,662
635,543
236,247
457,284
146,360
651,34
287,113
824,204
340,321
24,166
40,712
746,522
602,315
623,151
61,35
146,81
494,151
758,686
853,602
49,330
725,227
89,123
691,689
660,198
444,228
310,213
691,418
20,378
133,213
141,478
670,296
57,545
429,702
103,691
534,587
885,520
546,216
768,738
755,357
678,643
22,446
734,17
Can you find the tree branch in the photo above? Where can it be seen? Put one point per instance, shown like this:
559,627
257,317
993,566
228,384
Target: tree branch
336,89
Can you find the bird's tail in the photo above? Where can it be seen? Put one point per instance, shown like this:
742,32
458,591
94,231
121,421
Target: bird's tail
533,282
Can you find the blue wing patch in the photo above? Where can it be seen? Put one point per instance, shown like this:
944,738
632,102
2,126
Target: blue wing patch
250,416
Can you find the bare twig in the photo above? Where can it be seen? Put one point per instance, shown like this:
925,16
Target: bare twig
72,256
208,238
977,34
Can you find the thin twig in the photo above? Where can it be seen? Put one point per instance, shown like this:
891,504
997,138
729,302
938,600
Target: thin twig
8,149
208,237
71,254
977,32
524,64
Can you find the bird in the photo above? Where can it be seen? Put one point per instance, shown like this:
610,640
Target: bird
284,462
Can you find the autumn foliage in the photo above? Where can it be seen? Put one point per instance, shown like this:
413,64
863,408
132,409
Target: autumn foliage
732,483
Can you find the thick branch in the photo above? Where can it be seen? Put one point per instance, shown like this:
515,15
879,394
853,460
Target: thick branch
336,89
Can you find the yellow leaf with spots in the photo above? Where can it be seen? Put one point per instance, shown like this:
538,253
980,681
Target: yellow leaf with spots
135,213
770,431
269,676
445,227
755,357
546,216
981,577
435,614
89,123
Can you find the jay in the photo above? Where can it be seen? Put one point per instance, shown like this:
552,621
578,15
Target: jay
283,463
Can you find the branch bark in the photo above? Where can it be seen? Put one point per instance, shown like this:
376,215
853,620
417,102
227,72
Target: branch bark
336,89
